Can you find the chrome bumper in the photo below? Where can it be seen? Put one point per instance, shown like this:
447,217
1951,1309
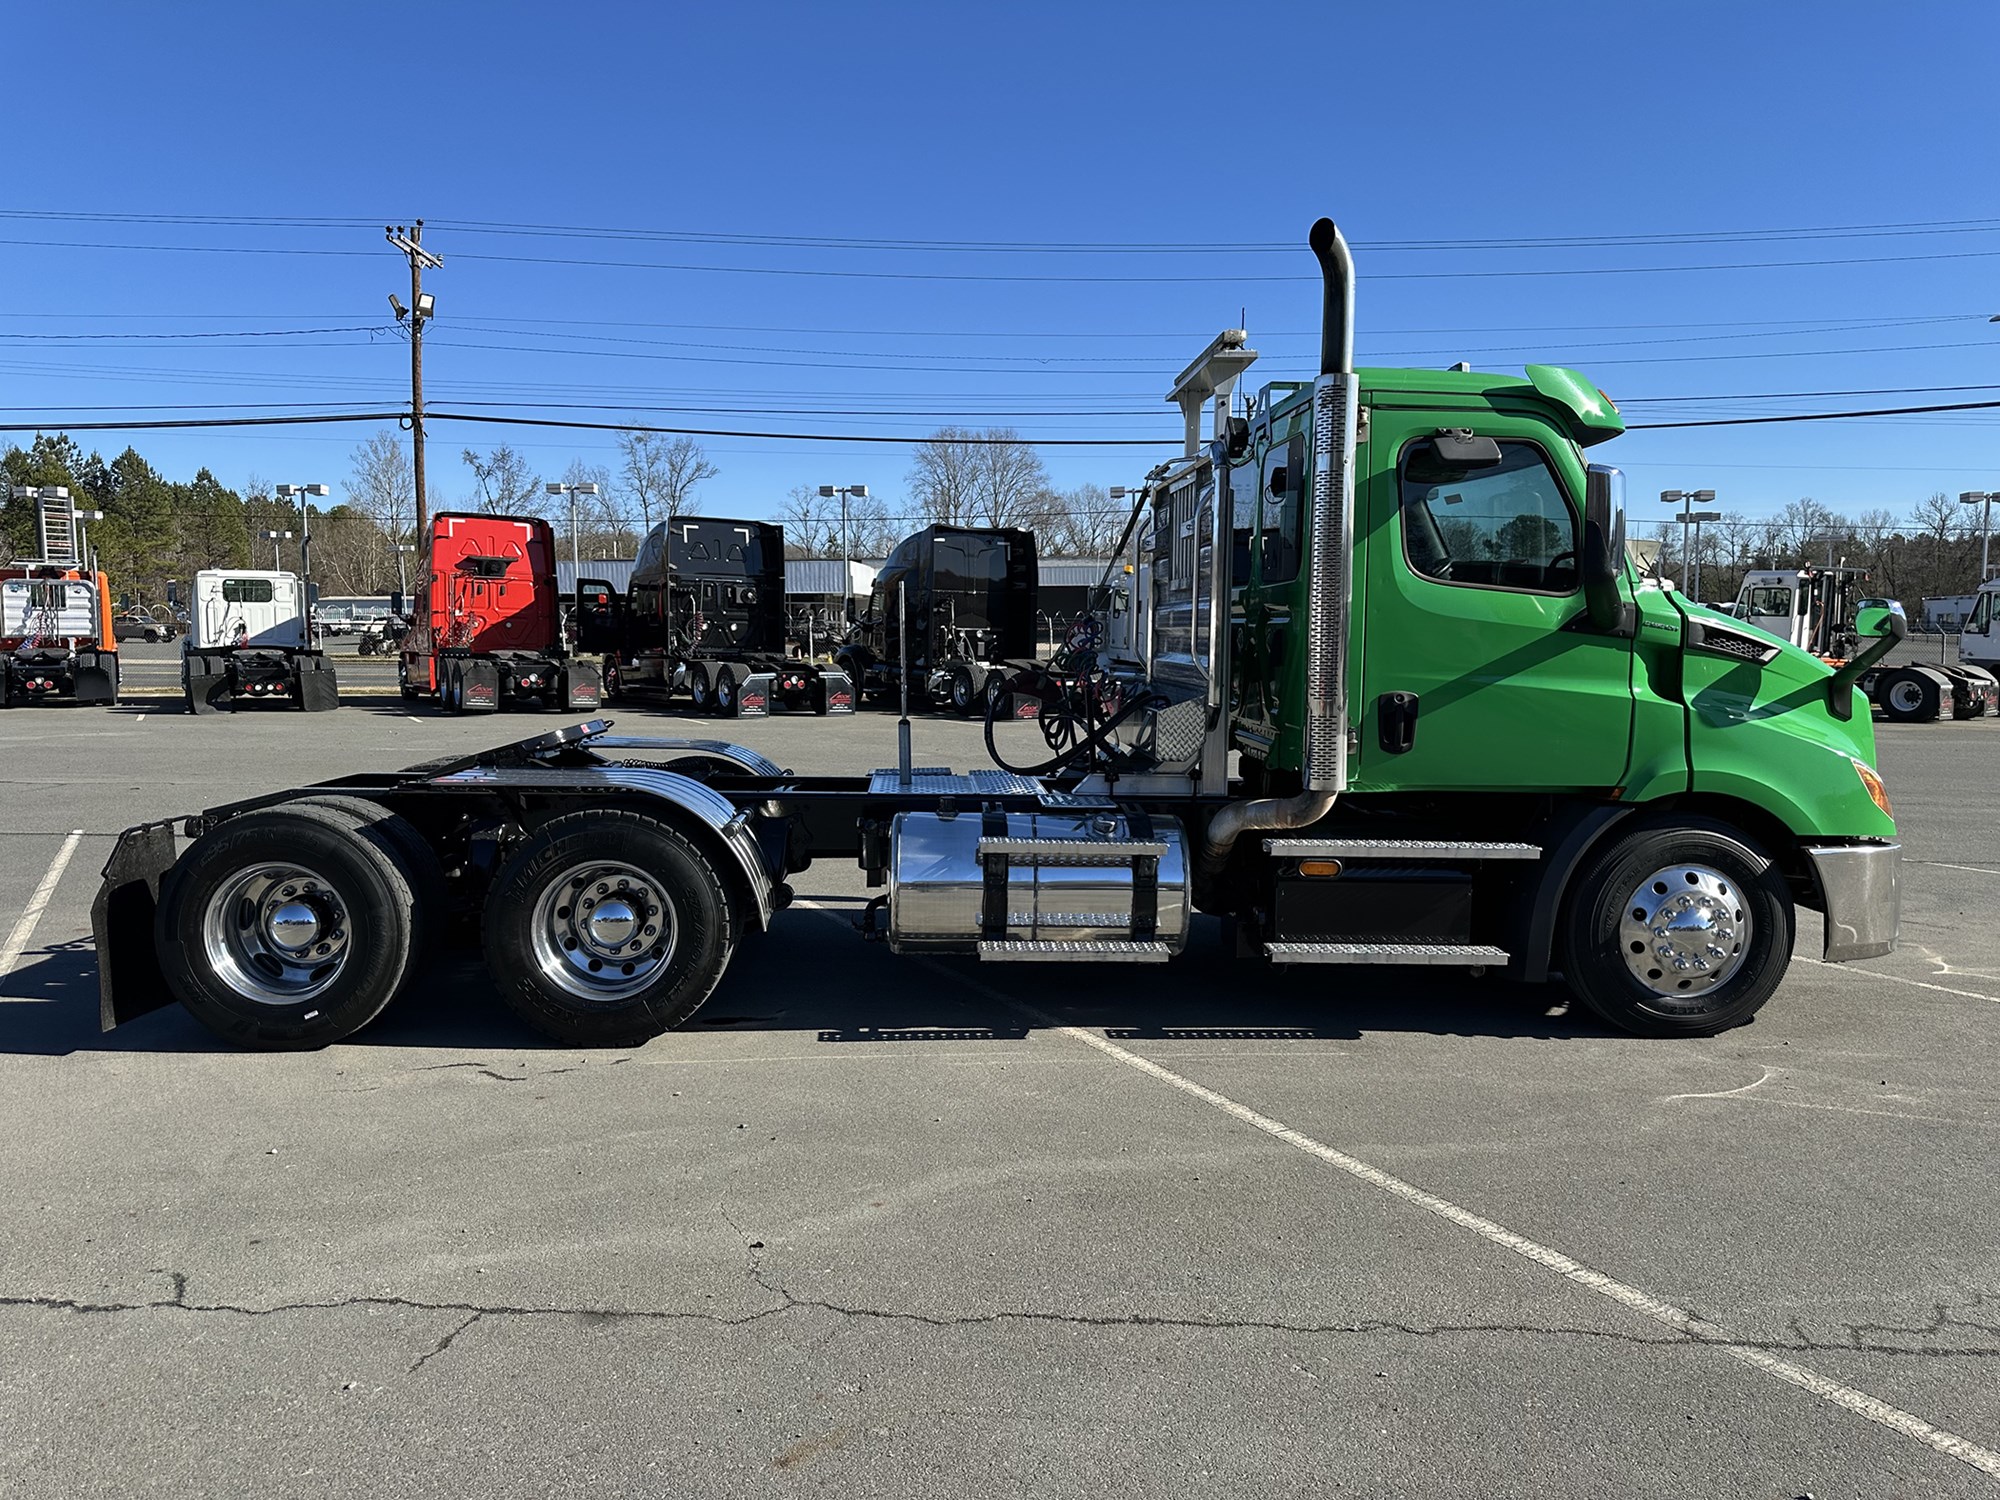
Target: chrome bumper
1863,894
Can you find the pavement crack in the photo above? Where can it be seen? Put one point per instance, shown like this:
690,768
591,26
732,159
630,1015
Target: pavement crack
444,1343
1859,1341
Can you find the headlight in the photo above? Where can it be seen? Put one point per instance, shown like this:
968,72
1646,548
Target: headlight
1877,793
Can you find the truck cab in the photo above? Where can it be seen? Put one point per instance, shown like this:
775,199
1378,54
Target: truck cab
249,640
1979,638
970,593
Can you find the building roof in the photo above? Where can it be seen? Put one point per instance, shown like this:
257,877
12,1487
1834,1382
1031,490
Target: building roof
616,571
821,576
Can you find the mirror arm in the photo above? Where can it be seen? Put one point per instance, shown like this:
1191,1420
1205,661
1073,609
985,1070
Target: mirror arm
1840,688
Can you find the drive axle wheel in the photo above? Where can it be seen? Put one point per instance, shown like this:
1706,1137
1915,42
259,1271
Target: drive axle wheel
1911,699
288,928
964,700
725,691
606,928
1677,929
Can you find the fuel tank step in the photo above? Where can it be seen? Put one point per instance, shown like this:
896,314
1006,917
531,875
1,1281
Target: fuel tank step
1070,852
1384,953
1045,950
1399,849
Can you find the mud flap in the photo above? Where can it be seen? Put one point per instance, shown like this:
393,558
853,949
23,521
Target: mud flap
479,692
833,693
129,981
753,695
315,683
96,677
580,686
207,684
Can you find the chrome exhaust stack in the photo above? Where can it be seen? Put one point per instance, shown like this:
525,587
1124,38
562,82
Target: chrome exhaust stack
1330,524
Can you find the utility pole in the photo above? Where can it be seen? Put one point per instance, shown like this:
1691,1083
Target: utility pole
411,242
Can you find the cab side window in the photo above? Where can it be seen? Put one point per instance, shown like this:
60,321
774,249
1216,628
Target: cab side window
1770,600
1982,615
1283,505
1489,525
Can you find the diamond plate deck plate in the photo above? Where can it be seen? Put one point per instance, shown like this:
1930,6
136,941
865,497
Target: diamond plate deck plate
1400,849
941,781
1043,950
1385,953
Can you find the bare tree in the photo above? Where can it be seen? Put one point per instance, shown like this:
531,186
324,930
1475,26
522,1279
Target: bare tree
1938,518
659,476
381,484
1083,522
604,528
811,522
504,483
990,478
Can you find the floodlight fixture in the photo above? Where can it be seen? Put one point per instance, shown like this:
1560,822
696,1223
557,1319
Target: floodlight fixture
426,305
396,305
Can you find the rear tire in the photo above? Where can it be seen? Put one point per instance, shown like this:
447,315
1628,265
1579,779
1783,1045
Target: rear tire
699,688
639,962
288,928
725,691
1910,698
1677,929
964,698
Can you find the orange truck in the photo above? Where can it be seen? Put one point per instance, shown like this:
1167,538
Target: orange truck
486,630
56,638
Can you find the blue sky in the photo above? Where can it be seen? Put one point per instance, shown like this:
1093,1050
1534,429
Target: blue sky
1147,125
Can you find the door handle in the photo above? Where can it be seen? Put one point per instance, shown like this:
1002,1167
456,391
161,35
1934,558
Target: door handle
1396,722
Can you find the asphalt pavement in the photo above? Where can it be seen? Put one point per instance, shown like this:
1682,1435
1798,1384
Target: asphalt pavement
881,1226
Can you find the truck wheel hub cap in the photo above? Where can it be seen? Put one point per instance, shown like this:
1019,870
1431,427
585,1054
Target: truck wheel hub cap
1684,930
602,932
276,934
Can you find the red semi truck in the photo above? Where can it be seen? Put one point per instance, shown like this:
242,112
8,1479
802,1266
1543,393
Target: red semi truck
487,626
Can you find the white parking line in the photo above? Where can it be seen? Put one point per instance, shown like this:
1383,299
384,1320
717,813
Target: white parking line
31,915
1696,1329
1915,984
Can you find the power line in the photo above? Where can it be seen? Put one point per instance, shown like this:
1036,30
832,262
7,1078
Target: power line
1066,247
1205,279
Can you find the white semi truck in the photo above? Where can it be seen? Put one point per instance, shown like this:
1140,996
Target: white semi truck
249,641
1814,609
1979,638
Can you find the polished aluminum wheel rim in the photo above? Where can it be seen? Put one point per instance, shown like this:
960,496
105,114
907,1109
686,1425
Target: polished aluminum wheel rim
725,688
1685,930
276,934
602,932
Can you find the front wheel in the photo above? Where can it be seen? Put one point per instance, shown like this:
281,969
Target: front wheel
607,928
1677,929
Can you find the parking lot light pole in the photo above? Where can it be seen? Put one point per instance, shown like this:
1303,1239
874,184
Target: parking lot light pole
277,558
1687,500
1985,499
573,490
302,493
859,492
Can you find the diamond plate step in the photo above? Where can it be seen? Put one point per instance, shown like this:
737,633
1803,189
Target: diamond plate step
1409,849
1034,851
1045,950
1385,953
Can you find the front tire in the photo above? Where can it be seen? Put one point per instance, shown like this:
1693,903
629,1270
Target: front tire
1677,929
607,928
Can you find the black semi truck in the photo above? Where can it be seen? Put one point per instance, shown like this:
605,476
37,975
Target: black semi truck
970,593
705,613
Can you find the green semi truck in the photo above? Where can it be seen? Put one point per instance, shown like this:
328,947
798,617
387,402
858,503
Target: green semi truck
1395,696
